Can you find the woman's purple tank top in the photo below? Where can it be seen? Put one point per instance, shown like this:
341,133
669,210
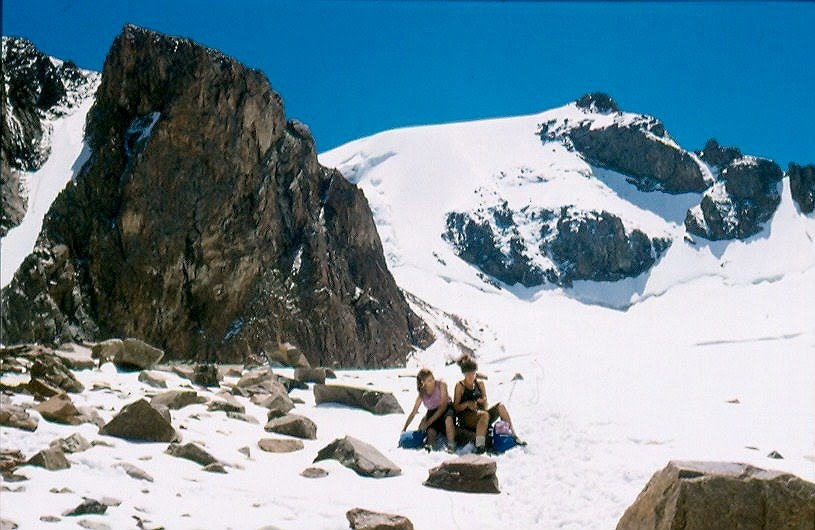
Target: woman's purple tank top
433,400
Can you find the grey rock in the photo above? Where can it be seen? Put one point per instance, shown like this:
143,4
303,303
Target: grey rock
53,371
362,457
278,402
153,379
52,459
468,473
88,506
75,443
718,156
373,401
293,425
207,375
134,472
310,375
60,409
215,467
598,102
140,422
703,495
226,402
242,417
12,415
74,359
50,519
7,524
178,399
128,354
94,525
191,451
314,472
361,519
275,445
255,377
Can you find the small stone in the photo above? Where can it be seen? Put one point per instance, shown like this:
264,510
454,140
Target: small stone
134,472
93,525
242,417
245,451
314,472
88,506
153,379
193,452
215,467
776,455
52,459
50,519
5,524
273,445
362,519
76,443
60,491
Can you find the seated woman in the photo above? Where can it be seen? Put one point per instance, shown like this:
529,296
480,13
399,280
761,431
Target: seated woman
470,404
439,410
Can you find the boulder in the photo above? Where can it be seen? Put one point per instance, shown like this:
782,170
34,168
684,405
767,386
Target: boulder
139,421
88,506
288,355
127,354
240,416
314,472
206,375
371,400
802,186
75,358
361,519
52,459
704,495
184,370
12,415
255,377
277,402
60,409
468,473
275,445
226,402
153,379
134,472
293,425
75,443
51,370
177,399
363,458
10,459
310,375
193,452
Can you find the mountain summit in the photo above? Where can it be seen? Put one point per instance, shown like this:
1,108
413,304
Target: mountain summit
203,223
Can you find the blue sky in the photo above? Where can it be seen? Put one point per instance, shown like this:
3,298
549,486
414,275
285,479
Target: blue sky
743,73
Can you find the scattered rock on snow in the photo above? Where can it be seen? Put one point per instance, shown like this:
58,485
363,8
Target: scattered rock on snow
215,467
127,354
50,519
314,472
240,416
468,473
75,443
93,525
776,455
277,401
134,472
12,415
153,378
60,409
178,399
702,495
140,421
371,400
193,452
206,375
275,445
293,425
362,519
52,372
226,402
363,458
310,375
52,459
6,524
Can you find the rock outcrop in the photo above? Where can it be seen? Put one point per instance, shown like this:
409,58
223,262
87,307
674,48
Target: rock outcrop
203,224
572,245
745,195
373,401
638,147
702,495
362,457
802,186
35,88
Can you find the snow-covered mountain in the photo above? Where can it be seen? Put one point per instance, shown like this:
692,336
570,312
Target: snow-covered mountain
546,255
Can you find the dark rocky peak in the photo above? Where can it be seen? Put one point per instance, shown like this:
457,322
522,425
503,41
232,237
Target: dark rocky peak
35,89
718,156
598,102
203,224
802,186
635,145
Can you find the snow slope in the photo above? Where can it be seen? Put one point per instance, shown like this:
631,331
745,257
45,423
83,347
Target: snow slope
68,154
712,358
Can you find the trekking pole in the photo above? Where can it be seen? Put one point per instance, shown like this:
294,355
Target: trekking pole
515,380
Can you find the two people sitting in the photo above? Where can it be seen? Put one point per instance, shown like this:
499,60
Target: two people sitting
469,406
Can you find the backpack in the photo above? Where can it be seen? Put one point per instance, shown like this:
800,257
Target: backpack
411,439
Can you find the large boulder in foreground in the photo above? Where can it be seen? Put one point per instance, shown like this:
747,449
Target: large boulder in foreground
139,421
468,473
362,457
362,519
370,400
203,224
704,495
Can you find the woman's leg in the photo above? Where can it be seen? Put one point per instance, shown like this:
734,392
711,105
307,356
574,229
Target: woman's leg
503,413
483,423
431,436
450,429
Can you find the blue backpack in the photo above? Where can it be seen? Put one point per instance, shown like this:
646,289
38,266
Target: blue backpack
411,439
502,442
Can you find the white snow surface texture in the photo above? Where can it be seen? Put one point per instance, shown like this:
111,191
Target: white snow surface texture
710,355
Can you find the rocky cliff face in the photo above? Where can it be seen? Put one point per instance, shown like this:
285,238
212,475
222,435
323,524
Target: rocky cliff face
571,245
802,186
203,223
35,89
